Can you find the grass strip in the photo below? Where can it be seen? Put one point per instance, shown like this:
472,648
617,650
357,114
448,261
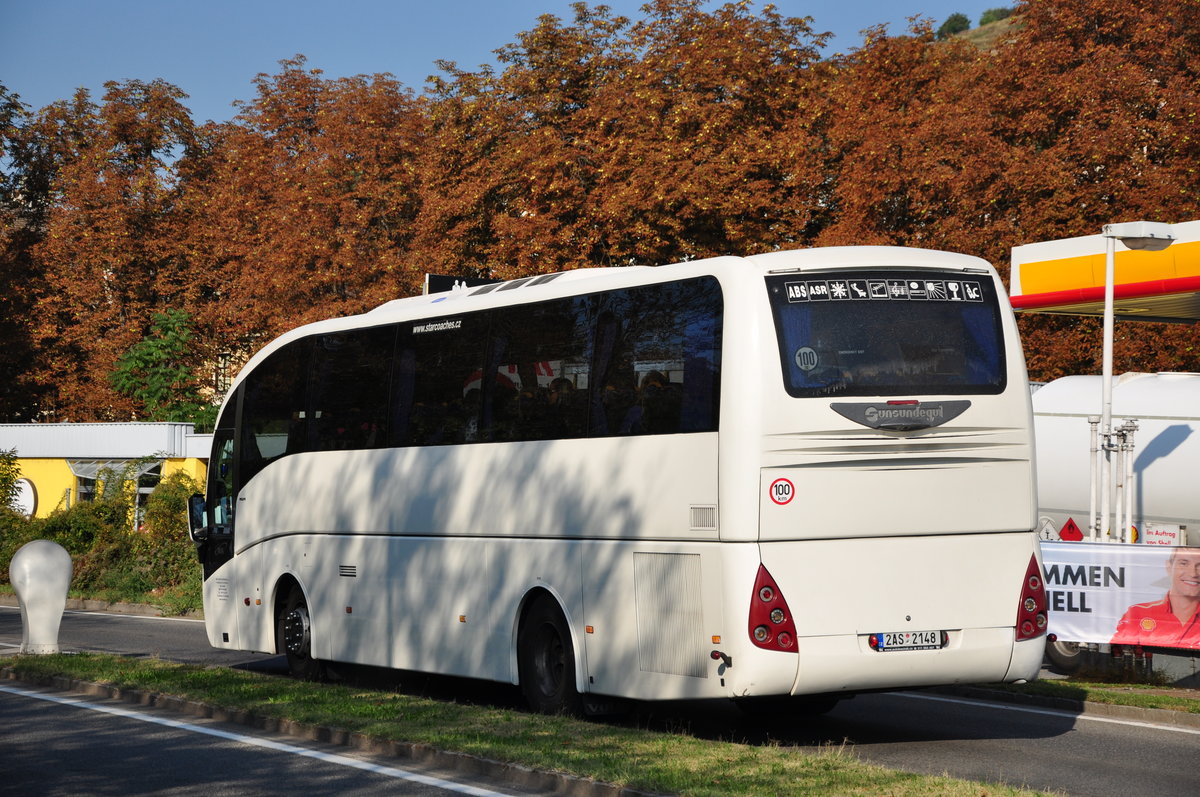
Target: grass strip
672,763
1124,694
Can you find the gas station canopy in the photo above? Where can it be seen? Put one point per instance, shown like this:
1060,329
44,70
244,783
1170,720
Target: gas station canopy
1067,277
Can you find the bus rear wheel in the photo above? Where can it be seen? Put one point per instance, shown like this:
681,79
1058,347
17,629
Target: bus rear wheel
546,660
293,630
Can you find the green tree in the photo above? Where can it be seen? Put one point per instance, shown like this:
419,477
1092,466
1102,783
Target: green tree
22,184
9,473
955,23
159,373
994,15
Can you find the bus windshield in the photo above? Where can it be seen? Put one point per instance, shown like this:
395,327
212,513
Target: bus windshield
888,333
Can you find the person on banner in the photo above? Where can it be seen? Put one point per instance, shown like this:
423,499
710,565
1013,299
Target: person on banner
1174,621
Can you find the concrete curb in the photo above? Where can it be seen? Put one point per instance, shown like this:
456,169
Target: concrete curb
515,775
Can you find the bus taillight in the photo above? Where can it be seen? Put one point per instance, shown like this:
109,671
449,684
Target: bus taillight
1031,613
771,626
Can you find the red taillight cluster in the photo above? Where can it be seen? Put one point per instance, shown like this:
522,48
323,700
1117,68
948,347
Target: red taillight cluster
1031,613
771,626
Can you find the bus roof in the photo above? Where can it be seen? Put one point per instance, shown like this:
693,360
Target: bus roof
841,256
604,278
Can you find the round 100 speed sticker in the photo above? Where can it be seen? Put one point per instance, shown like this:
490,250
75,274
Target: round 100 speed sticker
782,491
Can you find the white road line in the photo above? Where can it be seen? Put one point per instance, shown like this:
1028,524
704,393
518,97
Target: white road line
121,615
330,758
1048,712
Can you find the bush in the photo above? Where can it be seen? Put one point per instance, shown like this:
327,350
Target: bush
87,525
92,532
163,545
111,561
955,23
15,531
994,15
9,473
165,515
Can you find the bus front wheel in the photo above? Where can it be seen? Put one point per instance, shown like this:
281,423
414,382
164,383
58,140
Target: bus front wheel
546,660
294,632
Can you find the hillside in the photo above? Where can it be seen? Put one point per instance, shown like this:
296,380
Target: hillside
986,36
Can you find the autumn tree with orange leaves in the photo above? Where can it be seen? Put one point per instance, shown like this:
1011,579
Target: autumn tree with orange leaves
696,129
1098,105
108,250
609,142
302,207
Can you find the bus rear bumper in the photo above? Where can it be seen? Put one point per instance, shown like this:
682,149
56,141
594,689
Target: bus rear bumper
975,655
1027,660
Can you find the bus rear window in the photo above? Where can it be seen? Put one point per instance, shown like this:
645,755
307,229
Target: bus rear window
888,333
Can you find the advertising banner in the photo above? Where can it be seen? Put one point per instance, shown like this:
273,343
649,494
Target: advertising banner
1123,594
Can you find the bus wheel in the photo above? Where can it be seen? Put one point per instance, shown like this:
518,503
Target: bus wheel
546,660
294,631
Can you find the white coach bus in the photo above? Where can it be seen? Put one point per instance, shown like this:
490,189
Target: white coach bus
801,474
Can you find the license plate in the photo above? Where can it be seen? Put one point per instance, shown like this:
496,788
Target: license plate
909,640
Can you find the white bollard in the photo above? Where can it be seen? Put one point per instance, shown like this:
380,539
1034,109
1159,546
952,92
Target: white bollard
40,573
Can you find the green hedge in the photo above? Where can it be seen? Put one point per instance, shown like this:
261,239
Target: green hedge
155,564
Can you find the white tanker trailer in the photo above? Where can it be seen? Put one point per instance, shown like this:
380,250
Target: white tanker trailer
1163,469
1164,491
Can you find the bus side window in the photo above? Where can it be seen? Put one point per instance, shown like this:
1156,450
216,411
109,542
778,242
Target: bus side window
348,402
658,404
436,367
541,354
700,316
274,400
658,348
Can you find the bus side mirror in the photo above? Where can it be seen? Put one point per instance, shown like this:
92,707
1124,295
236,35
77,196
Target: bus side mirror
197,528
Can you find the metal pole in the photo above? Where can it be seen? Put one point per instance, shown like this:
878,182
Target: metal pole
1119,487
1093,520
1110,248
1130,427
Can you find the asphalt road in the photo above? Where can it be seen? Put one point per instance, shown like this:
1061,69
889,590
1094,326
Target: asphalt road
174,638
913,731
63,745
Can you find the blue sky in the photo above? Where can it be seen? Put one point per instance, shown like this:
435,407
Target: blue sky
212,49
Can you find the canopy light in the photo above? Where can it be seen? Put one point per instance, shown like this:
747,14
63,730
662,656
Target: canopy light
1152,236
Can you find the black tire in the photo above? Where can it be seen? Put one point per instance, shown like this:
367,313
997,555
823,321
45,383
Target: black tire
1065,657
293,634
546,660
